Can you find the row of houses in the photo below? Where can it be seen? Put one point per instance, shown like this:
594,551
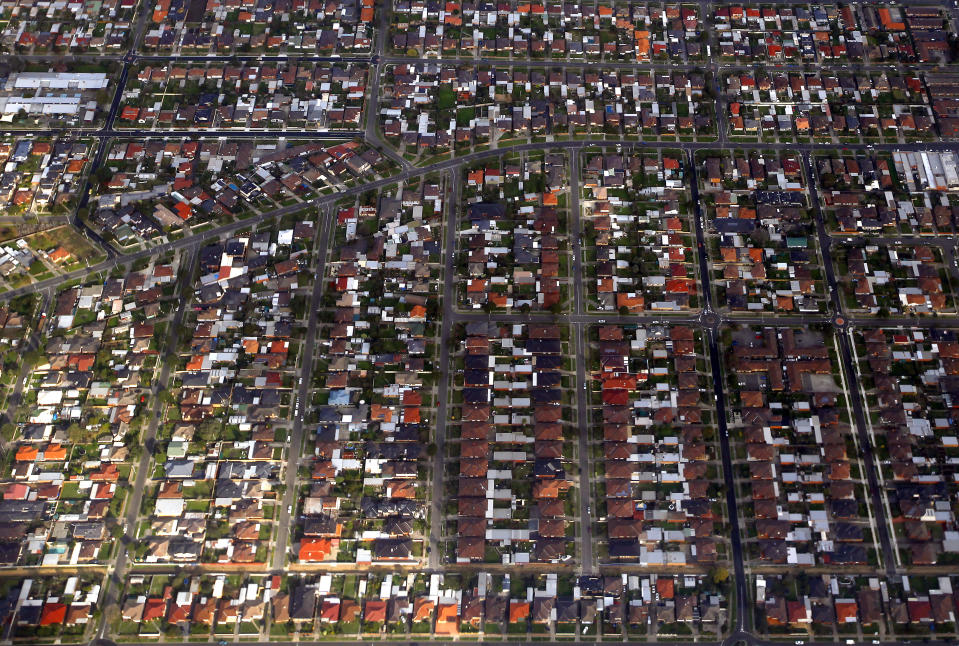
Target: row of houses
222,452
819,104
636,199
767,257
38,174
800,486
511,241
159,185
640,32
72,452
53,606
416,108
830,32
53,27
867,195
369,445
658,494
307,26
252,96
902,605
901,279
912,379
512,505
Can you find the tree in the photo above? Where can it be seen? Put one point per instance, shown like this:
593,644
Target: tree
103,174
77,434
208,429
32,357
759,236
719,575
431,449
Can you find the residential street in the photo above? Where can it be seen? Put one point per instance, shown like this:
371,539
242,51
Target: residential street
423,337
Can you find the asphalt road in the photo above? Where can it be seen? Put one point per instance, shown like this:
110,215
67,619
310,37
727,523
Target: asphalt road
412,641
322,239
582,351
438,489
578,319
701,251
851,371
117,571
711,332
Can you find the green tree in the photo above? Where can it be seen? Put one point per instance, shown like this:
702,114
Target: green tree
719,575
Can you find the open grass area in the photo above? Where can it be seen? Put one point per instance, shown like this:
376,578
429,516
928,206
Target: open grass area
67,237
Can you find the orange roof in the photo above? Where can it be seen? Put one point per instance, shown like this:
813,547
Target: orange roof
677,286
59,254
411,414
422,609
846,611
83,362
664,586
54,453
181,183
611,383
550,199
314,549
374,610
633,303
418,312
106,472
53,613
518,610
183,210
380,413
154,609
446,619
26,453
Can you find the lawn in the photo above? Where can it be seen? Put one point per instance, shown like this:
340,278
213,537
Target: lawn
68,238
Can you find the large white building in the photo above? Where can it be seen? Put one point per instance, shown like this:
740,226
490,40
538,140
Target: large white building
58,81
53,105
